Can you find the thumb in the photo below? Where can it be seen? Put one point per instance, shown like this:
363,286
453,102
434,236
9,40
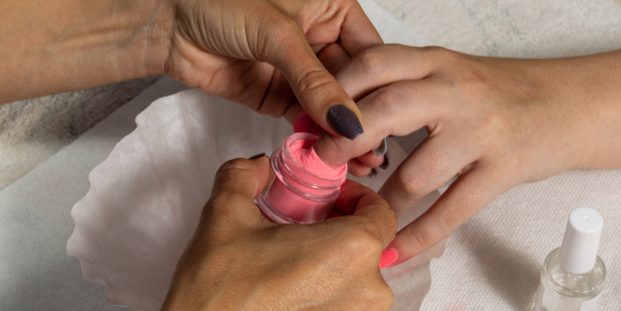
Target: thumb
245,177
318,92
231,206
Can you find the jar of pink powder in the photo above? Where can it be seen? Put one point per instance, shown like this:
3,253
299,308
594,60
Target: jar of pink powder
304,188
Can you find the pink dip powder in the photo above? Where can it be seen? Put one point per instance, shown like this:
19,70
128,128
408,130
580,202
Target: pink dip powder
304,187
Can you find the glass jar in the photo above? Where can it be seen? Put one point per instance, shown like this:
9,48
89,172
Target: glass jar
298,193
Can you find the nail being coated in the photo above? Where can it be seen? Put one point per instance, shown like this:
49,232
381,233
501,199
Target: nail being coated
304,188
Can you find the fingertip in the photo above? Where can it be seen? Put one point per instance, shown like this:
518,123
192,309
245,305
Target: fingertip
333,150
305,124
389,257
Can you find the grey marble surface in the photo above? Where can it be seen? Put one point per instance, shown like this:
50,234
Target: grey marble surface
32,130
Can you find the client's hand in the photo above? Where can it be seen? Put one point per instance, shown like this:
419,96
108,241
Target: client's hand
492,122
240,260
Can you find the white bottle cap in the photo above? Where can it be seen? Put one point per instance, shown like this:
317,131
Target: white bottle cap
581,241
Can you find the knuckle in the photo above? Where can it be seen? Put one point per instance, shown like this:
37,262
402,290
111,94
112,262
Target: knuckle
278,31
388,99
361,240
441,54
435,164
412,183
313,81
492,126
282,25
473,83
416,239
455,216
221,204
369,60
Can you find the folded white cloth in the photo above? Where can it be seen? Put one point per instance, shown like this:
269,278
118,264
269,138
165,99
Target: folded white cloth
145,199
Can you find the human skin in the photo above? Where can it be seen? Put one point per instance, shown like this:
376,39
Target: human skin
492,122
239,260
260,53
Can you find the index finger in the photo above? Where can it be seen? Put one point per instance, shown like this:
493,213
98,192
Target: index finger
469,194
371,207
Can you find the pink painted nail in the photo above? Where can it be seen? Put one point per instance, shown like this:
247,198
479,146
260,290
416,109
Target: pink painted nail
389,257
305,124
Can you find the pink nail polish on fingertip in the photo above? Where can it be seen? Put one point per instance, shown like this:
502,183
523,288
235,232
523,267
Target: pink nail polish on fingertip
304,124
388,258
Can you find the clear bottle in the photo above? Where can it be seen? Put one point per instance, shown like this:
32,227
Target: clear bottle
573,276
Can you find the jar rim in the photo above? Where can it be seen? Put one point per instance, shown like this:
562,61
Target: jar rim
310,138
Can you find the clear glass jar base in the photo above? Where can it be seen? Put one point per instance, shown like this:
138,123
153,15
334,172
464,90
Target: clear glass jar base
276,217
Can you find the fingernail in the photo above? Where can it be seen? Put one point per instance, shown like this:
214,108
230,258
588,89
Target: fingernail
373,173
386,162
344,121
388,258
382,149
256,156
304,124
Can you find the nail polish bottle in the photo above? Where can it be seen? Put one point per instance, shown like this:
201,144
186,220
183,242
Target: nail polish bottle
573,276
303,188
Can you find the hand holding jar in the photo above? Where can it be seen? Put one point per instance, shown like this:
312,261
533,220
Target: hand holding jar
238,259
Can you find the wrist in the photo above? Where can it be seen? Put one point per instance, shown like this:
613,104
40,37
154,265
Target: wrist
159,29
588,91
65,45
142,39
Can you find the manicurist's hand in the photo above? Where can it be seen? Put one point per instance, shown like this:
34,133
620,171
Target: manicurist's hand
261,53
257,52
492,122
239,260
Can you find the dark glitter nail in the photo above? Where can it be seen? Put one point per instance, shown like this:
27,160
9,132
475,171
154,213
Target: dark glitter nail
256,156
344,121
386,162
373,173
